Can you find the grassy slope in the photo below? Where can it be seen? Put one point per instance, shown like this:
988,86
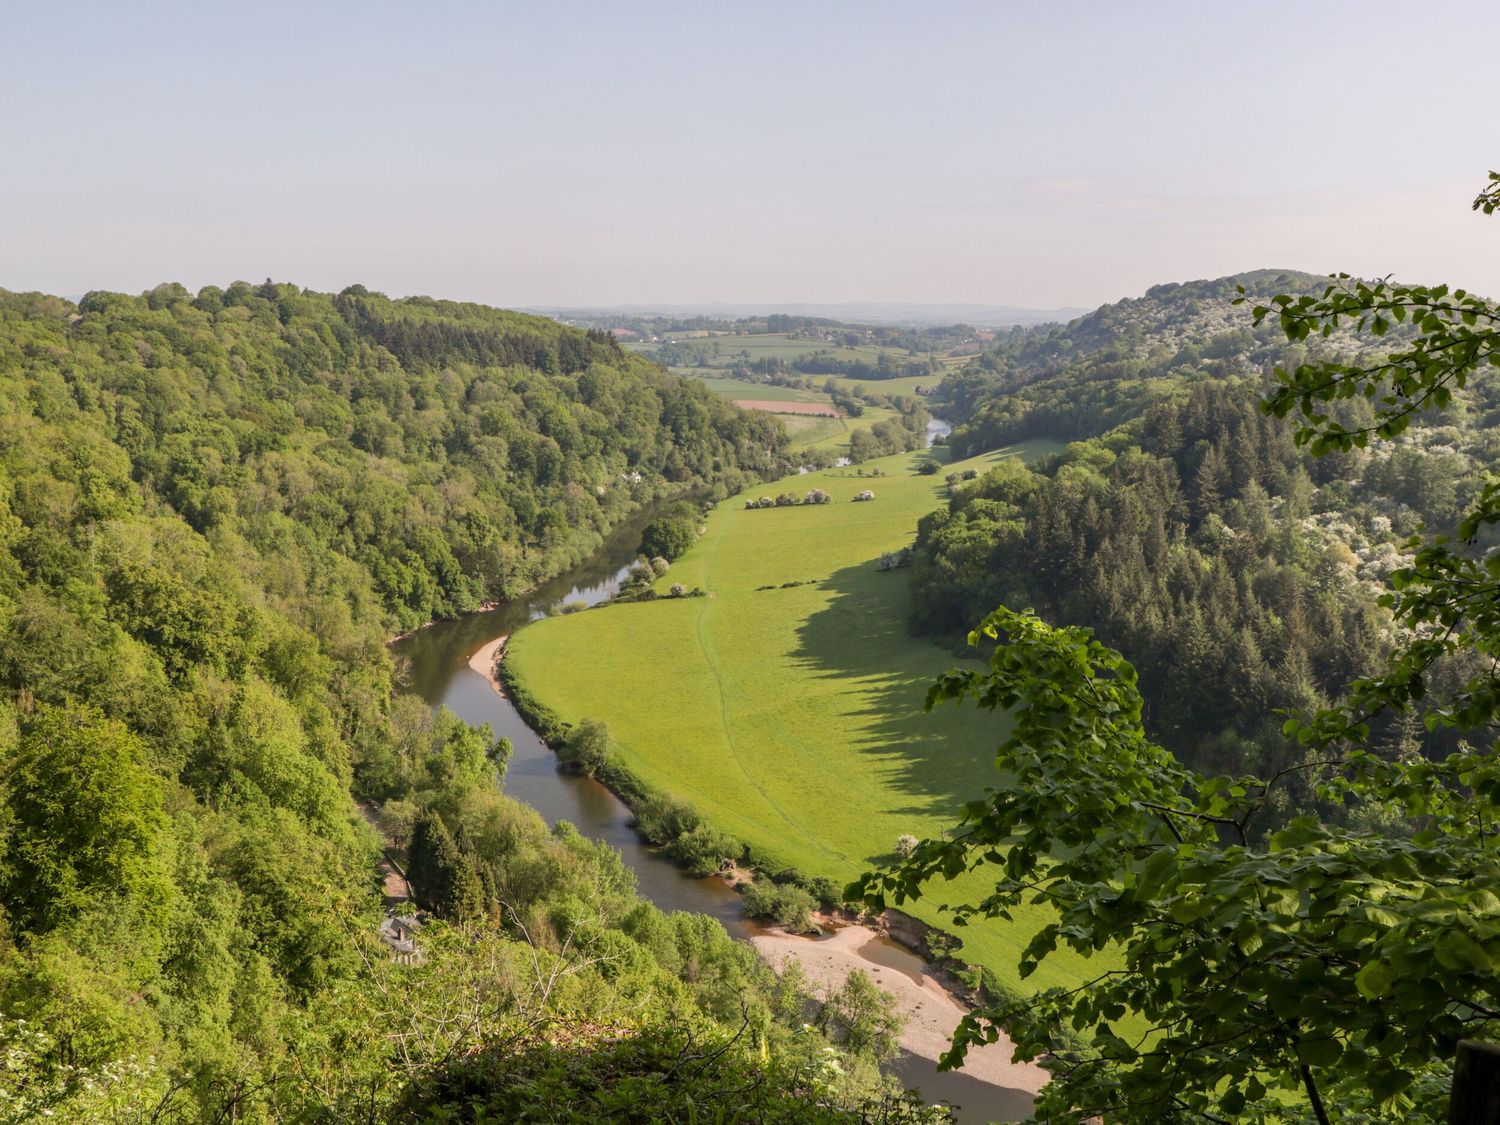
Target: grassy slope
806,432
903,386
811,432
740,389
792,717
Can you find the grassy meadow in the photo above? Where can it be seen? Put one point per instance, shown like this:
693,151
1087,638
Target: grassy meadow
769,345
792,716
907,385
806,431
733,389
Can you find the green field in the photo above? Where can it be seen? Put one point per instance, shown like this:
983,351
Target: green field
771,345
904,386
792,717
806,431
834,433
740,389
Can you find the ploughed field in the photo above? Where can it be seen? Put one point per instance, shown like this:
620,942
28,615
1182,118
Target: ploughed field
791,715
810,418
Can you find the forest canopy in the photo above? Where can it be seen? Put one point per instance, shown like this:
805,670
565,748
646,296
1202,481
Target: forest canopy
1318,959
214,512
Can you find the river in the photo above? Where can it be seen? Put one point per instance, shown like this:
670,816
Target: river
437,668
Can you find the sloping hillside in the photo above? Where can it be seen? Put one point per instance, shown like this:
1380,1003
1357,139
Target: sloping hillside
1080,379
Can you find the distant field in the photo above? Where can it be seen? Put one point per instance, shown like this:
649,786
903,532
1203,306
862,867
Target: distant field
905,386
782,406
734,389
806,431
813,432
792,717
772,345
778,345
835,433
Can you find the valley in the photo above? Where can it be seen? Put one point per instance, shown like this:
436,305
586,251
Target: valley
446,670
795,721
201,606
724,565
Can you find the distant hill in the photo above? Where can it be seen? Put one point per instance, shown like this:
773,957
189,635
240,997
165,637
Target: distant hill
981,316
1079,379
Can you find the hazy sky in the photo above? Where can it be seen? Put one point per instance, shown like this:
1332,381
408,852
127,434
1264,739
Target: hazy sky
1036,154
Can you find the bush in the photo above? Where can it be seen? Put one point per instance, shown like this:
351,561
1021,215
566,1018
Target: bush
865,495
760,899
679,590
830,895
703,851
662,819
816,496
587,748
927,467
593,1071
787,904
862,1017
787,500
660,565
669,536
906,844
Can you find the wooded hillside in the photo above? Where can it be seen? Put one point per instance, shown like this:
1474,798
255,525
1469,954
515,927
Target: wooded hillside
214,510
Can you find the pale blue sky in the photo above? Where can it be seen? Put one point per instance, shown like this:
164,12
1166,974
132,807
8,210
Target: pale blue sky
1035,154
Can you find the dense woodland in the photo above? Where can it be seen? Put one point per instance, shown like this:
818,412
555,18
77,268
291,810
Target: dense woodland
1078,380
1237,573
1273,966
214,511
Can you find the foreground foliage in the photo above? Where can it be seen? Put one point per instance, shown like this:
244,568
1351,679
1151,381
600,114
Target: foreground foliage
1325,972
577,1074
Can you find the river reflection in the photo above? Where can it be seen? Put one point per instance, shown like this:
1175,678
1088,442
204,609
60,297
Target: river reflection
437,669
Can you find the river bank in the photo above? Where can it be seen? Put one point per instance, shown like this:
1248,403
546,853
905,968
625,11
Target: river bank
458,663
928,1006
486,661
930,1010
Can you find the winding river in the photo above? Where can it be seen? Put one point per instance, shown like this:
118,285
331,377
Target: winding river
436,667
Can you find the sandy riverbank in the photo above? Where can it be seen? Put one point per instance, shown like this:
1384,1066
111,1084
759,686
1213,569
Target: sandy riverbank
932,1013
486,658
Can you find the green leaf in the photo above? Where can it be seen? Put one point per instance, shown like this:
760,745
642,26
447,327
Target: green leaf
1374,980
1320,1052
1457,950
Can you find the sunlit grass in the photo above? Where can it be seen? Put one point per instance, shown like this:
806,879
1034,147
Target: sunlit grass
792,716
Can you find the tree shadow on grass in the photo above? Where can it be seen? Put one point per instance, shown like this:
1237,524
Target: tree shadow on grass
942,758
